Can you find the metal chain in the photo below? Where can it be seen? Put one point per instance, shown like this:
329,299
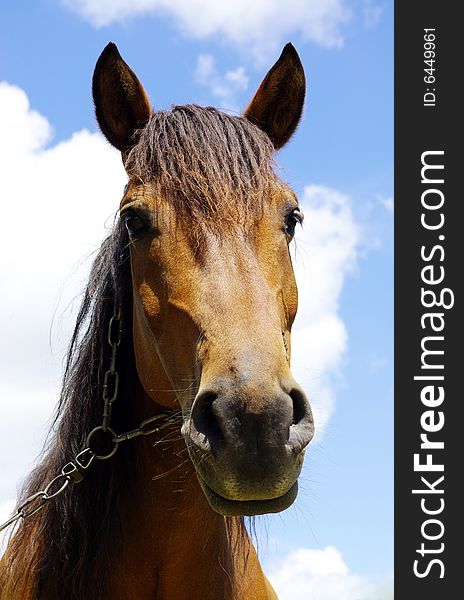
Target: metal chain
74,471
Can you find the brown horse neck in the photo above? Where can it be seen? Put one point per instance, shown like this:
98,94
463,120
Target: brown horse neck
175,547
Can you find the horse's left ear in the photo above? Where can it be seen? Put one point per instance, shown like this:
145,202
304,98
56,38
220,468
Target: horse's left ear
121,104
278,104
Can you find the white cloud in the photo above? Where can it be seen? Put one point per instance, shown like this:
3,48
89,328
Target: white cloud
323,575
261,25
58,203
326,252
55,203
224,88
24,131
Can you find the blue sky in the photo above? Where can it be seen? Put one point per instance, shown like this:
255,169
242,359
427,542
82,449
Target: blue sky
340,163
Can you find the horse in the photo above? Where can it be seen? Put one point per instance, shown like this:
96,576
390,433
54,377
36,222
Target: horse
183,342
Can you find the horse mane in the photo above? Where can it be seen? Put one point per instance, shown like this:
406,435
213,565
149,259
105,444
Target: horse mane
49,545
205,162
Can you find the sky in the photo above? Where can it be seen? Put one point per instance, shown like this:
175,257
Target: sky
61,184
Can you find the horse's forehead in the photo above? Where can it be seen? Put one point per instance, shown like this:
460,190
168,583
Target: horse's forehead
221,207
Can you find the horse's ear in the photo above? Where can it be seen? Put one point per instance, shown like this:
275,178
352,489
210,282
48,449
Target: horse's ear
121,104
278,104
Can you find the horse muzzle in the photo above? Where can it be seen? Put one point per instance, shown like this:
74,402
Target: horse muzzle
247,446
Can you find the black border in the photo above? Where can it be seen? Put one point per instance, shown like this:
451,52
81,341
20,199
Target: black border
420,128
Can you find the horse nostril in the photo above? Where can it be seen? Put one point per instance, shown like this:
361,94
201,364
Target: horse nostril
204,419
299,406
301,430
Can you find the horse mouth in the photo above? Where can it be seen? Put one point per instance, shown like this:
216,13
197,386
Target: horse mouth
247,508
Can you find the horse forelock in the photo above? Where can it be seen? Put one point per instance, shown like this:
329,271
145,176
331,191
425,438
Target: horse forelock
205,163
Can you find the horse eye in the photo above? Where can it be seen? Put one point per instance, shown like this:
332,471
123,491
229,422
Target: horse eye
134,224
294,217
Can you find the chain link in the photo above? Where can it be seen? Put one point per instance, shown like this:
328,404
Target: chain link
111,377
74,471
146,427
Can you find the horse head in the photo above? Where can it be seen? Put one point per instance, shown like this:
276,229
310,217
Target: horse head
214,294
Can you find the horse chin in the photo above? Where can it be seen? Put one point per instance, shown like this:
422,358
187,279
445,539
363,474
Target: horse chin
247,508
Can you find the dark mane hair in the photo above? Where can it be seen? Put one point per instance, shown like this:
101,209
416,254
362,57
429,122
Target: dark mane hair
58,550
204,162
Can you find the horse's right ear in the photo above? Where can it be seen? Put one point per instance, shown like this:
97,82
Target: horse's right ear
121,104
